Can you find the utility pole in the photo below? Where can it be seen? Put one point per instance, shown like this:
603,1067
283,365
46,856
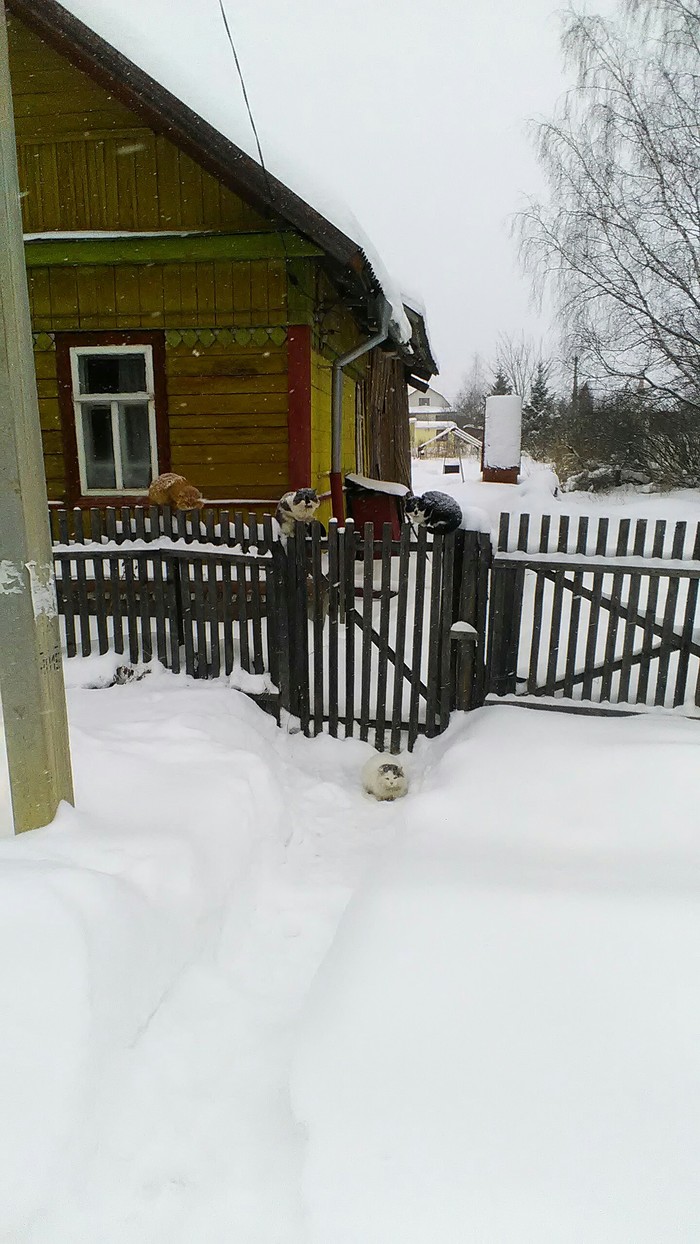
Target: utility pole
31,671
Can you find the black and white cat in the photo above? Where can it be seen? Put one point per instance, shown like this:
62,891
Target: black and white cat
435,511
296,507
385,777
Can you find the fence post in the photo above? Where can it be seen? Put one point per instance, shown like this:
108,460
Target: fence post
464,638
504,628
282,633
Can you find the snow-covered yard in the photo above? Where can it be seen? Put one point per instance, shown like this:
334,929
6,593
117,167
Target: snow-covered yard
534,495
243,1001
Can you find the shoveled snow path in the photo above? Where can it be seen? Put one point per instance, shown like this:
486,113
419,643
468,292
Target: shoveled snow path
193,1137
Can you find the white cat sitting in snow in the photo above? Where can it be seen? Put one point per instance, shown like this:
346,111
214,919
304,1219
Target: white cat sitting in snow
385,777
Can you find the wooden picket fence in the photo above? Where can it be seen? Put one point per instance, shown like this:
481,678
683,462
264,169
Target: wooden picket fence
121,524
388,662
352,632
201,607
359,634
596,612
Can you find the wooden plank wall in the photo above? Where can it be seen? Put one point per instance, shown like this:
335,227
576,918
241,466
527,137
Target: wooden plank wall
227,405
228,418
87,162
321,381
218,294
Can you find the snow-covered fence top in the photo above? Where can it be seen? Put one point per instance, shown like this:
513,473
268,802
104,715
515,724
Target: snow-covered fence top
213,525
596,613
599,536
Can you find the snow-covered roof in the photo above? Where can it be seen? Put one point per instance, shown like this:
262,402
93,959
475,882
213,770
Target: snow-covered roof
377,485
433,423
184,51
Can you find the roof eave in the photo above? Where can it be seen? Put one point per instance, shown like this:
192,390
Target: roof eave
167,114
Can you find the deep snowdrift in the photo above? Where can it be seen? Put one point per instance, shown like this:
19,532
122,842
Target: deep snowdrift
243,1000
503,1043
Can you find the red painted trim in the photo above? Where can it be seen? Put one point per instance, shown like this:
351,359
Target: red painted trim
500,475
337,499
299,408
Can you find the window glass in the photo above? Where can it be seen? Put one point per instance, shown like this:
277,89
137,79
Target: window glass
97,442
112,373
135,444
423,401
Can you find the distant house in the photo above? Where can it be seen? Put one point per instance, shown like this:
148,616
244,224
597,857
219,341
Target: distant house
429,405
187,308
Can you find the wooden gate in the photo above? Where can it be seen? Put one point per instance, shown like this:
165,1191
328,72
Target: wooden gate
384,637
598,611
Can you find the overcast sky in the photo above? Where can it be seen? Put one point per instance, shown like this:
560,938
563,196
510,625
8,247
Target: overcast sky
413,112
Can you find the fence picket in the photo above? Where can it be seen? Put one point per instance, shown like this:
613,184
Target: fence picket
301,627
575,611
350,546
317,620
446,620
143,585
81,587
630,626
669,616
613,614
650,613
418,622
434,634
383,662
367,594
687,630
400,638
334,577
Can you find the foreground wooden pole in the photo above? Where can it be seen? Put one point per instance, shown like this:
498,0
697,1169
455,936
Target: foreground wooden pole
31,672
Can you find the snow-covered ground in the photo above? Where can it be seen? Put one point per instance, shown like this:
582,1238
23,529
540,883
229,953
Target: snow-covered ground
534,495
242,1001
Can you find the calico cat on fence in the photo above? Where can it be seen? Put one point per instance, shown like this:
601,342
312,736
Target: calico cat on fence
296,507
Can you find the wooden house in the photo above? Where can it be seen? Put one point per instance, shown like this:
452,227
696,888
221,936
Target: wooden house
187,306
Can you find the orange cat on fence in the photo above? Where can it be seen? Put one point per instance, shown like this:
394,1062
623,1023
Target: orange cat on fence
175,491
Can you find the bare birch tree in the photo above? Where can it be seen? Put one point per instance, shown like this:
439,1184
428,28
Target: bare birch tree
620,235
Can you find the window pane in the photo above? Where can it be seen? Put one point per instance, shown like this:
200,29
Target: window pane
98,447
112,373
135,444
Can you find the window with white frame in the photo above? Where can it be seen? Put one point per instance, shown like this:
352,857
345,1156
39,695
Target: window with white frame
115,417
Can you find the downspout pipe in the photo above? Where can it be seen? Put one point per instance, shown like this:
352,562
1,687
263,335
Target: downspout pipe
339,366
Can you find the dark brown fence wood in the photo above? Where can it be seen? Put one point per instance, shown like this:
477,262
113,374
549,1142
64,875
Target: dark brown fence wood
279,607
689,622
418,624
350,541
334,580
384,617
400,640
623,633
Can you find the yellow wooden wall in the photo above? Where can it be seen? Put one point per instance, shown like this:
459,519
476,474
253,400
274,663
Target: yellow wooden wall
321,379
87,162
226,362
221,293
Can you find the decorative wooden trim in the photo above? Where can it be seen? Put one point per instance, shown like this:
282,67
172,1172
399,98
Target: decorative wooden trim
43,341
299,408
188,248
64,341
206,337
